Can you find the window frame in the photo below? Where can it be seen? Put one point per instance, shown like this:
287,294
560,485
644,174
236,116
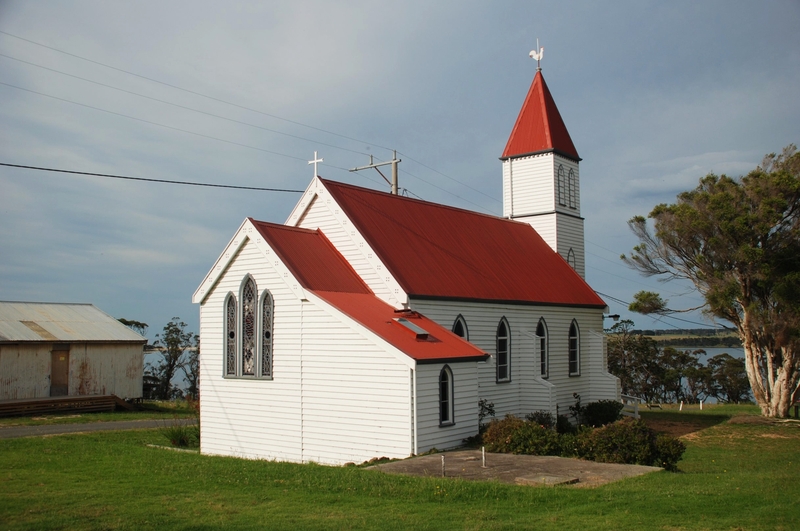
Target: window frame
560,186
231,347
446,397
507,352
572,189
571,258
574,336
243,325
265,345
263,352
544,348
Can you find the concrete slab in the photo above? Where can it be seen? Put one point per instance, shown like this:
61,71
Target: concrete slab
515,469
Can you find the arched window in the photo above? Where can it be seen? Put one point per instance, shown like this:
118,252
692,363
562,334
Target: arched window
561,192
249,300
571,257
230,335
574,349
572,184
446,397
266,334
541,335
460,328
503,352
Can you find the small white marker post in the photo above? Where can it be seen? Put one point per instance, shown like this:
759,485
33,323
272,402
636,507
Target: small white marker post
701,405
443,474
483,457
681,408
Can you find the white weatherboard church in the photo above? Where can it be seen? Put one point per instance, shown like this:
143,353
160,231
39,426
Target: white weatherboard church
371,324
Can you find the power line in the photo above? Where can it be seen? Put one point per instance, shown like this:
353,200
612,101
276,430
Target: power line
146,179
152,123
192,91
182,106
451,178
620,301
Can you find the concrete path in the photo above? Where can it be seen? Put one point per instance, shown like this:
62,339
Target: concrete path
518,469
13,432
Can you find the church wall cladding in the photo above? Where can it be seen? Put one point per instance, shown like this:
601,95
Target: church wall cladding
94,369
465,410
336,395
528,181
513,397
325,214
571,237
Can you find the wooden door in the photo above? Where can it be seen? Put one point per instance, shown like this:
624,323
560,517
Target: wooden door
59,373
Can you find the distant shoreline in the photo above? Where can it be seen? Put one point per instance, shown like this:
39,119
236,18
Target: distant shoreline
695,342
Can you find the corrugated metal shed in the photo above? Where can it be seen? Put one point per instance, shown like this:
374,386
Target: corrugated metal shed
61,322
539,127
442,252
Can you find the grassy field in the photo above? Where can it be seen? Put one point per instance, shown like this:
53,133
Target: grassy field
153,409
740,474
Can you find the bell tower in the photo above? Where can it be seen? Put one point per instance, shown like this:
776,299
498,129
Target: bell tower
541,178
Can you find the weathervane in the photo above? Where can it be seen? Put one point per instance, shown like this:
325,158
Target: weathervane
537,54
314,162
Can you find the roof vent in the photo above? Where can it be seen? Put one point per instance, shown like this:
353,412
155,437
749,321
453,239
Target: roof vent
417,330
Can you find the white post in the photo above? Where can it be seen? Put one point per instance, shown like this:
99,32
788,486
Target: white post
701,405
442,465
483,457
681,408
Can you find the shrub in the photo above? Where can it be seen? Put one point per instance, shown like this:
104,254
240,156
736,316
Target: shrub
563,425
533,439
629,441
669,451
602,412
543,418
180,433
497,437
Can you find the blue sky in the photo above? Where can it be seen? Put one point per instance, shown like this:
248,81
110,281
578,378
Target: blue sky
654,94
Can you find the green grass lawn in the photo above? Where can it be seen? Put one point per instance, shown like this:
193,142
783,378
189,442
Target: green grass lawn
153,409
733,476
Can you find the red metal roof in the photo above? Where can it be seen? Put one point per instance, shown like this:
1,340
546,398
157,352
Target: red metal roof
374,314
539,125
311,258
443,252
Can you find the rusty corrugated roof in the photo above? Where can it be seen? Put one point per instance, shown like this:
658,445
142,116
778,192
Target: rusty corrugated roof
443,252
539,127
61,322
311,258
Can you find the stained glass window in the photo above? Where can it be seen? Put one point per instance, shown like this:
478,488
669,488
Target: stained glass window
266,334
249,328
230,336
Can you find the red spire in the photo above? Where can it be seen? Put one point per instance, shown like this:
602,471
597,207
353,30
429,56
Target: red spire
539,126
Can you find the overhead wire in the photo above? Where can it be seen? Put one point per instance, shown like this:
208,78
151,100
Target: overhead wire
152,180
626,304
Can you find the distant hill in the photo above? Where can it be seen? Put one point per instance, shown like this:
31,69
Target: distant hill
693,337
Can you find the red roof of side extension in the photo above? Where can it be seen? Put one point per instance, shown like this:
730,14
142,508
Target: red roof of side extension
443,252
320,268
311,258
539,126
440,345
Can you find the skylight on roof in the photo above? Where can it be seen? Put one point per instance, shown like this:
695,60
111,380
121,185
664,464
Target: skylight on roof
417,330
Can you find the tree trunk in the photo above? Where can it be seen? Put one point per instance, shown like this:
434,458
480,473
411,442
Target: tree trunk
775,400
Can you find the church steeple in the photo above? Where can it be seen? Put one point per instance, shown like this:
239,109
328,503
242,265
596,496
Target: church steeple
539,127
541,184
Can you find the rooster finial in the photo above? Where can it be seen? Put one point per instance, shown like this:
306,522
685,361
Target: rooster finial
537,54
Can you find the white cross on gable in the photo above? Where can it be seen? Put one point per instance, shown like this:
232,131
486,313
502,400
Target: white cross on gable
314,162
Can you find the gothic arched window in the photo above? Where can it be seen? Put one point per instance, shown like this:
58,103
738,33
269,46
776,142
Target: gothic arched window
572,185
503,352
571,257
561,185
266,334
446,397
574,349
249,300
541,335
230,335
460,328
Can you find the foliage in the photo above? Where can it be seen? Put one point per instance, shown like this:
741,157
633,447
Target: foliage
181,433
485,409
173,342
576,410
191,370
629,441
668,374
602,412
543,418
563,425
737,241
497,437
137,326
516,436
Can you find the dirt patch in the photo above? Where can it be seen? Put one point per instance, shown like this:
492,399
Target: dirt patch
674,428
515,469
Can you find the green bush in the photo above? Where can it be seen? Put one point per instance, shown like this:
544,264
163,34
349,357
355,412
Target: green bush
543,418
669,451
563,425
602,412
629,441
498,434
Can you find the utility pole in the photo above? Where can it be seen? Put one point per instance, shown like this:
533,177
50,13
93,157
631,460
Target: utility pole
393,162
